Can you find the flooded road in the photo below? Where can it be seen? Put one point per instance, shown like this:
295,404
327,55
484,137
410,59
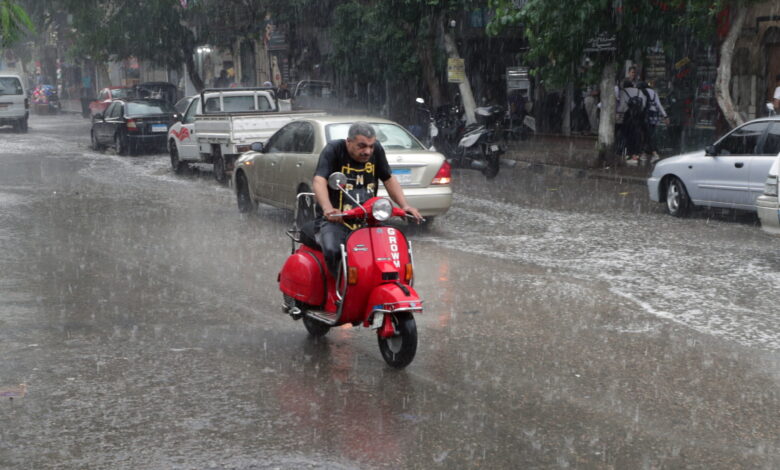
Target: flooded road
569,323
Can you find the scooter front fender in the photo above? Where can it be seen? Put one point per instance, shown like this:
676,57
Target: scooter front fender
393,297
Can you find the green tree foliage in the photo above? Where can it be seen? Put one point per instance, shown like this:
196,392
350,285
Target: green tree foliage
14,23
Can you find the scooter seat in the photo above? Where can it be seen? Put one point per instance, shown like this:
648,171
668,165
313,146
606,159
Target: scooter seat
308,234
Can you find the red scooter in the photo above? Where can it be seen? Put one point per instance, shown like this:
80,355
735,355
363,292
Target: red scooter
374,282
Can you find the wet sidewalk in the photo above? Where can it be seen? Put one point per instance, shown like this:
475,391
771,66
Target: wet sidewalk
575,155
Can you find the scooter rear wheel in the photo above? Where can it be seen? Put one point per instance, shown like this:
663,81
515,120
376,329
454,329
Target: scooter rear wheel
398,351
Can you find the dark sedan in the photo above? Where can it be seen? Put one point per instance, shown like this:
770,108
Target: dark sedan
133,125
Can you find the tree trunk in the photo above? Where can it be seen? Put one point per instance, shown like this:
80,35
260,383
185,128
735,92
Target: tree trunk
723,82
606,145
192,71
469,105
104,78
425,51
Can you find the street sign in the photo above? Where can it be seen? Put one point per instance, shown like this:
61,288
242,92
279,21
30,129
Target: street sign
456,70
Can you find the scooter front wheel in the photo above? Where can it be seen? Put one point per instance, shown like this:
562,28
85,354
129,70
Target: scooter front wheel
399,350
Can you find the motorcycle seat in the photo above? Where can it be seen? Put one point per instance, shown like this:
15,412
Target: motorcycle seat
308,234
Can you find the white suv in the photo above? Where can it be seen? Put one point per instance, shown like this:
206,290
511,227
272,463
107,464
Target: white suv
14,103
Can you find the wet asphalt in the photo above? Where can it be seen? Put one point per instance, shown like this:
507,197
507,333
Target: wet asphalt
568,323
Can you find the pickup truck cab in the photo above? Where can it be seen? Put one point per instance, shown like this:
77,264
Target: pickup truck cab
226,126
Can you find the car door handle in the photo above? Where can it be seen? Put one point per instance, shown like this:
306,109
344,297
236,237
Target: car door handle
739,164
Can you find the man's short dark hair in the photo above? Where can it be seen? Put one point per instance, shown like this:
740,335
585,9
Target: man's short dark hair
361,128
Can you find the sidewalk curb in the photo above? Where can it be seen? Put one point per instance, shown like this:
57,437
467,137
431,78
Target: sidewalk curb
572,172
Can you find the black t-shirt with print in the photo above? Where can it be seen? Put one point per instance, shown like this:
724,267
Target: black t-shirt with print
362,178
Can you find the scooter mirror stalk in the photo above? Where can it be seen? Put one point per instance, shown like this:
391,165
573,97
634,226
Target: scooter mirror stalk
337,181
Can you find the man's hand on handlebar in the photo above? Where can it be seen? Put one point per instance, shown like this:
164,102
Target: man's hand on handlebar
332,215
413,213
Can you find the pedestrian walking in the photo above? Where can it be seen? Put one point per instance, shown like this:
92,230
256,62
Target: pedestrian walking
654,114
631,115
591,102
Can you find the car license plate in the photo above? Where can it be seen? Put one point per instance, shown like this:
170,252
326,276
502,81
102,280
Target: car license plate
159,128
403,175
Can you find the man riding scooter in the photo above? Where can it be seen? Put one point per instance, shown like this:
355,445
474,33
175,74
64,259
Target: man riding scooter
362,159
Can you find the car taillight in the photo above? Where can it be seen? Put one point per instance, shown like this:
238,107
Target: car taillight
444,175
771,186
131,126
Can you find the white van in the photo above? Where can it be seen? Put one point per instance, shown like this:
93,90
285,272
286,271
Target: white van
14,103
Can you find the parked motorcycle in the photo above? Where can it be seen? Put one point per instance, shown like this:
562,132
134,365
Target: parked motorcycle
374,286
475,146
45,99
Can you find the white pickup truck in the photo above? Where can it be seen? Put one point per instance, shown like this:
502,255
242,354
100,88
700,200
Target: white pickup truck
231,120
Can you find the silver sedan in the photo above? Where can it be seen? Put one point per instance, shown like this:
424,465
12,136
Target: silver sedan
284,167
730,173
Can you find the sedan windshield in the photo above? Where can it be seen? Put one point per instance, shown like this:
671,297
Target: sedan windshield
391,136
140,108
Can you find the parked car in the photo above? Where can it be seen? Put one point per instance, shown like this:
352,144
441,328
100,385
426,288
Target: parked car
767,203
132,125
275,173
14,103
106,96
730,173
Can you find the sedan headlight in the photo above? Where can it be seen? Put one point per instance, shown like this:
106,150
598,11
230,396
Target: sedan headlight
770,188
382,209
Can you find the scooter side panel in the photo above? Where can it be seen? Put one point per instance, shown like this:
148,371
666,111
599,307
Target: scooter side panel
303,276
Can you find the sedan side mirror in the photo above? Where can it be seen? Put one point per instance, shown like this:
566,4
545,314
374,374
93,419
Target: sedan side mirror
256,147
711,151
98,116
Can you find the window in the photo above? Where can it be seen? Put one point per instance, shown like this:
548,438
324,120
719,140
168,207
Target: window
10,86
304,138
189,118
119,93
233,104
742,141
263,104
772,143
116,111
283,140
110,109
140,108
391,136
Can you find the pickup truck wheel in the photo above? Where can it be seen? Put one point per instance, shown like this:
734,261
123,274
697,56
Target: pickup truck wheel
219,169
245,203
177,165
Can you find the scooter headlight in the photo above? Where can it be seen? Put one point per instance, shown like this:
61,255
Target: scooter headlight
382,209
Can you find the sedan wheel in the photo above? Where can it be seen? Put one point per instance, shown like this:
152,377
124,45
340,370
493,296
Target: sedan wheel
95,144
678,203
245,203
120,144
